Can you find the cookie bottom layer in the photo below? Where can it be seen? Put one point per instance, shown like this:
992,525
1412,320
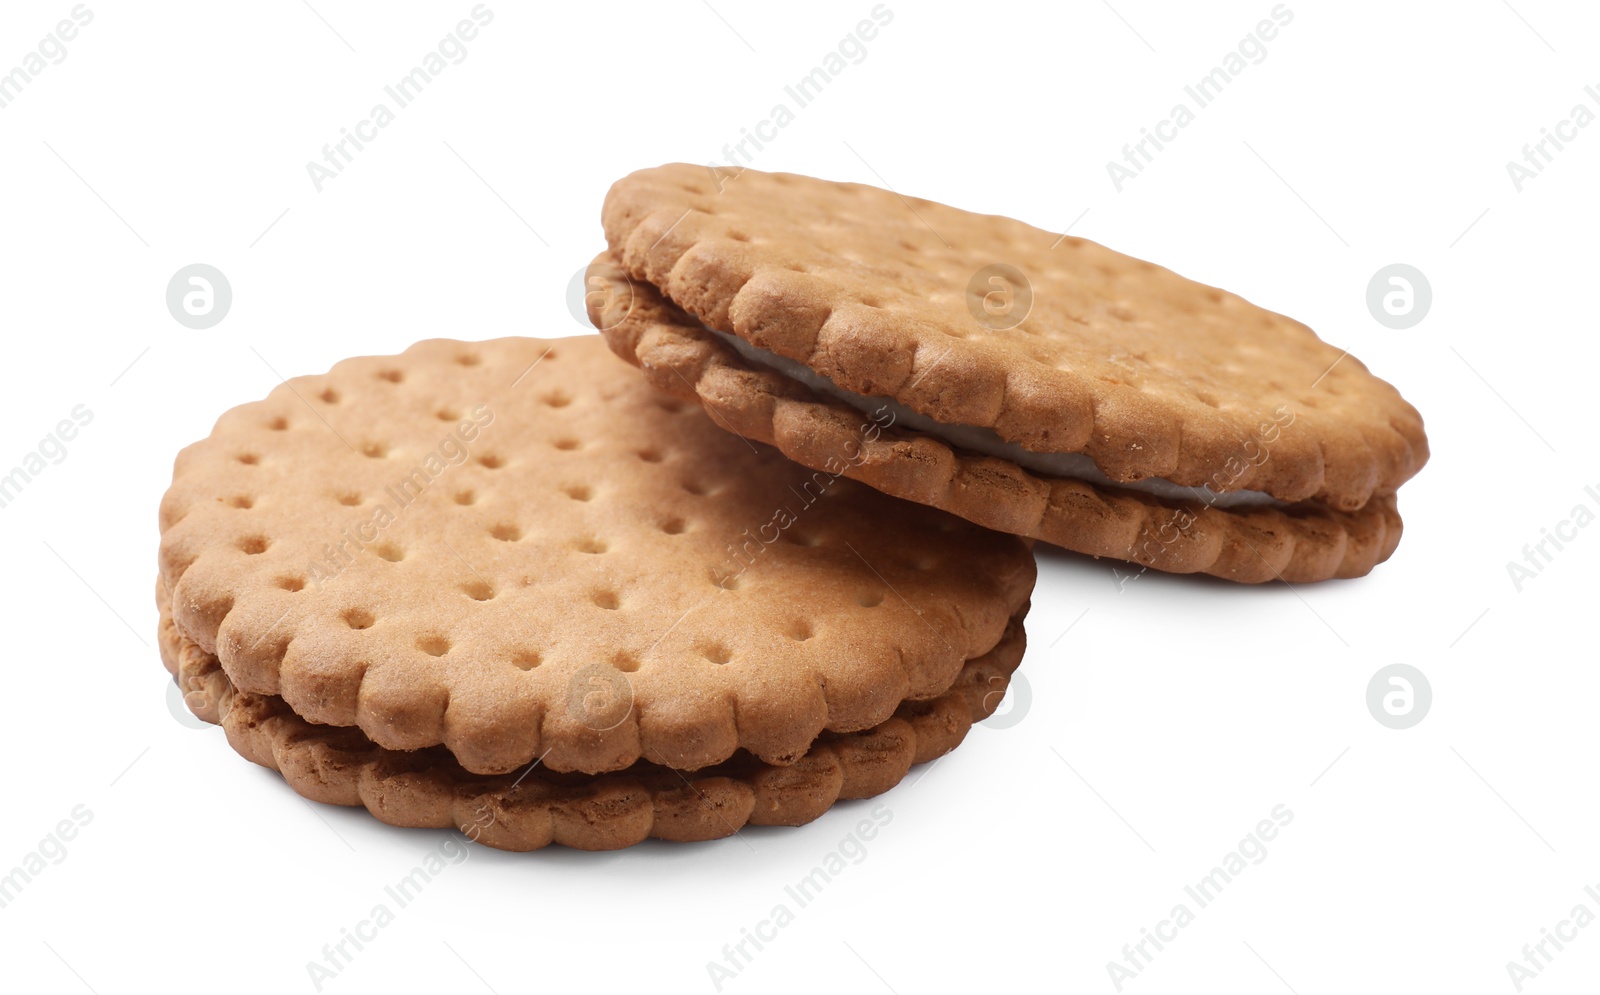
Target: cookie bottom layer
428,789
1298,543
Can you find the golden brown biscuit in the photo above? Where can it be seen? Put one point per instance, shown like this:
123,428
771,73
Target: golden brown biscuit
1124,412
518,549
429,789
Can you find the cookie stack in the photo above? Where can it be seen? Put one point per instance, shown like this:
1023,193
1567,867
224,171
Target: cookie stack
518,589
511,588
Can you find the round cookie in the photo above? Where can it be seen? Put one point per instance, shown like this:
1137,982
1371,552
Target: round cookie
1107,404
428,789
1302,542
519,550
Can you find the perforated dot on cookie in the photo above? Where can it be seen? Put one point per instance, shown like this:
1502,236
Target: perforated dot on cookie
578,492
505,532
670,406
374,450
291,584
468,359
254,545
329,396
674,526
357,618
242,501
716,653
726,581
556,399
278,424
799,630
465,497
566,445
606,599
392,376
477,590
803,538
625,662
491,461
389,551
526,659
249,459
649,455
433,645
591,546
696,488
446,414
869,599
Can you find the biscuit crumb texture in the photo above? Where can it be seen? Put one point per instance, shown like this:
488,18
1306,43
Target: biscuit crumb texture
1303,542
429,789
519,549
1148,373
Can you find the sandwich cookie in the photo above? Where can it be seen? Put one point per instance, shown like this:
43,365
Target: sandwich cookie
490,557
428,789
1033,383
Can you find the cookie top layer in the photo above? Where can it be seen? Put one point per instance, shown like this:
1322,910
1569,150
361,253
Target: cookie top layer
1297,543
1146,372
519,549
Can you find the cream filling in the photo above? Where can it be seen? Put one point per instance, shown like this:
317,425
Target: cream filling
1073,466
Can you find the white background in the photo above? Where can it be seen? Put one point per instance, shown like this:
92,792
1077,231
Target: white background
1170,719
